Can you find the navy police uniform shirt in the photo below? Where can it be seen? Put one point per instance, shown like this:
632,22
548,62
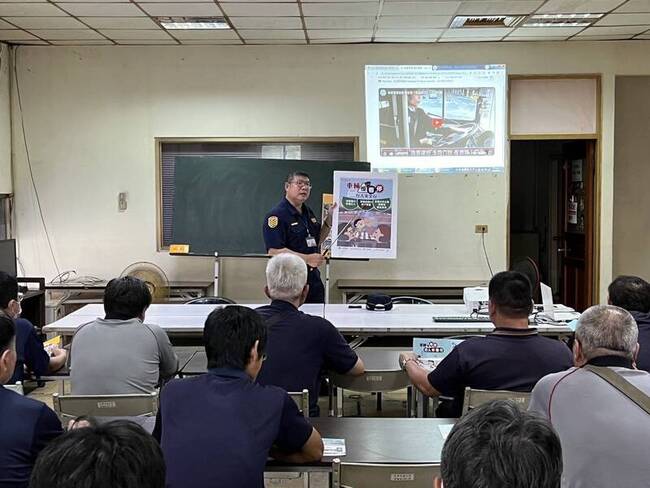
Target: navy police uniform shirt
299,347
506,359
26,427
286,227
29,352
216,429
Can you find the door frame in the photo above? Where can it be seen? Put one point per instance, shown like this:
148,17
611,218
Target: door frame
597,197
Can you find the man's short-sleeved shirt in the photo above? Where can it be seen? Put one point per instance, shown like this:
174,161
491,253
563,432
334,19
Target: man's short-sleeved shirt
604,435
507,359
119,357
216,429
26,426
29,352
299,347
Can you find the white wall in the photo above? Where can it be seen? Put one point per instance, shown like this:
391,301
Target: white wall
5,120
91,115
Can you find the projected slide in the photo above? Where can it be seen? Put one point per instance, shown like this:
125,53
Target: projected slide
436,118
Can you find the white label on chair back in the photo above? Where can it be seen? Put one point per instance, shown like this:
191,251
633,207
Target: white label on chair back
374,378
105,404
402,477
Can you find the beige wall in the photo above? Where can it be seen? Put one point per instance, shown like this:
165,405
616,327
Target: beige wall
631,177
5,120
92,114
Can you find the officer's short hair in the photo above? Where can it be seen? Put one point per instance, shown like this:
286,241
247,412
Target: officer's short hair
497,444
291,176
631,293
126,298
286,276
510,292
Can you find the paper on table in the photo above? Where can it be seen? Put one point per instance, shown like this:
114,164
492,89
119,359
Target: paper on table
445,429
333,447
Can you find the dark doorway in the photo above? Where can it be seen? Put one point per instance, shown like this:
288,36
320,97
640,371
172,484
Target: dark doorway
552,215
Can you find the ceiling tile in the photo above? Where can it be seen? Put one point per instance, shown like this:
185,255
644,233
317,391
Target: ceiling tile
341,1
6,25
46,22
15,35
101,9
578,6
329,9
342,41
120,22
433,21
512,7
545,31
30,10
88,42
614,31
342,34
642,6
624,19
420,8
29,43
188,9
93,1
535,38
276,41
339,22
66,34
24,1
612,37
147,42
643,36
477,32
271,34
266,22
206,42
135,34
410,33
398,40
469,39
182,34
260,9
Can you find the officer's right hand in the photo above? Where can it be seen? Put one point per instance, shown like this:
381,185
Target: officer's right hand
314,260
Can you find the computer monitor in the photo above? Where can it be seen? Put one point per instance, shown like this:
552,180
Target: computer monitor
8,257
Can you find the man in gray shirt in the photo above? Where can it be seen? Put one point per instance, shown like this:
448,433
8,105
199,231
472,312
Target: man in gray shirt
604,435
120,354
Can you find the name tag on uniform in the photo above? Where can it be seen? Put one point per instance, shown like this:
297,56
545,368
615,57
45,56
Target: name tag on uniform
311,242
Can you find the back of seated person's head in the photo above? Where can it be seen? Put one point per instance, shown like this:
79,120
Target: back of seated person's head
8,290
229,336
126,298
605,330
498,445
119,454
510,293
7,348
631,293
286,277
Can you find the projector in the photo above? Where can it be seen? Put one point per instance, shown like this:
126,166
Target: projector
476,298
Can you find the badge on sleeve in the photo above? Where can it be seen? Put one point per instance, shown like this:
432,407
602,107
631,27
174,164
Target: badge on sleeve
272,222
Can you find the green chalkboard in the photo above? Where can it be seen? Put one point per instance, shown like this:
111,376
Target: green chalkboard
220,203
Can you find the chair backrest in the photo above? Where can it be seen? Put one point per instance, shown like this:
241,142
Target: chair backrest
474,398
135,405
361,475
372,381
17,387
210,301
302,400
411,300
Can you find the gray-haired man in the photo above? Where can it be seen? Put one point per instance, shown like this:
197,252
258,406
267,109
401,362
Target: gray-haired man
300,345
604,435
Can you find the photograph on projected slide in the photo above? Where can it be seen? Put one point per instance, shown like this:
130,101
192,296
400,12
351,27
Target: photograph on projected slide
437,121
365,221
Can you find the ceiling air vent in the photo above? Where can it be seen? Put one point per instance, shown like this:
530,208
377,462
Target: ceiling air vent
474,21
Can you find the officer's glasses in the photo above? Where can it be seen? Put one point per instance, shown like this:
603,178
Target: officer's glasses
302,183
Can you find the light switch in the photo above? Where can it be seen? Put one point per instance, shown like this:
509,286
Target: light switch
122,201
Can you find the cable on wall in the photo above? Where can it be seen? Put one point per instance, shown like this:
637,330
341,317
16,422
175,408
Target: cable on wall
487,259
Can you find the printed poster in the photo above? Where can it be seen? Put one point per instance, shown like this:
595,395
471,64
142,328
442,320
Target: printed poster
364,224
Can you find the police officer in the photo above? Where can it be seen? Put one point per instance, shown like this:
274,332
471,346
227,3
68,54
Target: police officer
291,226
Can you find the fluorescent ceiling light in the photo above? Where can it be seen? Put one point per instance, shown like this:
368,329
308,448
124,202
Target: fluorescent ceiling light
478,21
204,23
561,20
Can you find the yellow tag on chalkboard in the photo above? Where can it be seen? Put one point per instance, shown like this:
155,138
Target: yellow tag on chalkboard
179,248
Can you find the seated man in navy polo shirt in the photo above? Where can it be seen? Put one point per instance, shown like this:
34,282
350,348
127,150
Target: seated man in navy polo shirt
26,425
513,357
30,352
217,429
300,345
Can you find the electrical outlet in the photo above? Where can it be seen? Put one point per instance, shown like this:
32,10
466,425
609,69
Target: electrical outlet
480,229
122,201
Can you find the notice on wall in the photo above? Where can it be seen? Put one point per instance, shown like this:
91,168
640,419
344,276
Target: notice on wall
364,223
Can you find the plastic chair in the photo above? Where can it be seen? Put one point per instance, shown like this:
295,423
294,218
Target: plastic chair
17,387
474,398
363,475
210,301
72,406
302,400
